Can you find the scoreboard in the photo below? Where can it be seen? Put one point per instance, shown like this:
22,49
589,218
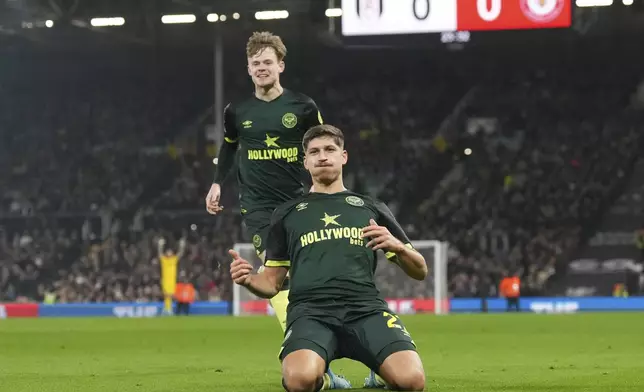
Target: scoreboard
390,17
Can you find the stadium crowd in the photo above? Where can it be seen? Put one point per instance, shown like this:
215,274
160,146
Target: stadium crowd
546,156
94,186
75,264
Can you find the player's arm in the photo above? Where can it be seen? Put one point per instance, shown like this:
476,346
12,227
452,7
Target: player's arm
228,151
160,245
311,118
267,283
182,248
386,234
264,285
312,115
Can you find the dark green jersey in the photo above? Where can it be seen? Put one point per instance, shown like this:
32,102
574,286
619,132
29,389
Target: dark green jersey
269,135
318,236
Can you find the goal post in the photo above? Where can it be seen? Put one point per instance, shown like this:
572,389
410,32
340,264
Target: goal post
403,294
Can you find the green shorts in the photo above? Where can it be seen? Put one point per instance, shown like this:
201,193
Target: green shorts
368,338
257,225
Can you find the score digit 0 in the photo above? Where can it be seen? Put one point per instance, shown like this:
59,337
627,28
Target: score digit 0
420,15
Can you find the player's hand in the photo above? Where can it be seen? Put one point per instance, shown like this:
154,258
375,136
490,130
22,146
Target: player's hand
212,200
161,241
240,269
381,238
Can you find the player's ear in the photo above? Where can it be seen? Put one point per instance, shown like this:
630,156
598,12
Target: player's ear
282,66
250,73
345,157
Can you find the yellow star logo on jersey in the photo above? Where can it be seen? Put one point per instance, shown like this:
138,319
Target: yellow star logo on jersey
271,141
330,220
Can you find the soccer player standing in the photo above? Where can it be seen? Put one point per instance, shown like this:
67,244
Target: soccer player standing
169,262
328,240
264,135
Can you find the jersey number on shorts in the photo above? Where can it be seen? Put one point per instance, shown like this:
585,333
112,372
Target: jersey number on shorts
394,322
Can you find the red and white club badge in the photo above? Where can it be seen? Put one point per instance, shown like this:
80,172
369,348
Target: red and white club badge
542,11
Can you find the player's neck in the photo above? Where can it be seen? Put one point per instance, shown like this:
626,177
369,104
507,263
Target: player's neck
269,93
335,187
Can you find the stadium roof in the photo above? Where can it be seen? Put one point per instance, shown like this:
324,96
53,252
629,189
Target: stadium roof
68,23
58,22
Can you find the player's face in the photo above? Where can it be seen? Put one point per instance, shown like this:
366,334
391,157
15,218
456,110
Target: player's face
264,68
324,160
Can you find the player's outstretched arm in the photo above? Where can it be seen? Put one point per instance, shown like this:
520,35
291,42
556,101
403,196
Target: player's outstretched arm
182,248
409,260
160,245
264,285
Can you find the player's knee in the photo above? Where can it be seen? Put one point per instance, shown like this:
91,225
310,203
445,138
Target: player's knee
409,380
302,371
301,379
403,371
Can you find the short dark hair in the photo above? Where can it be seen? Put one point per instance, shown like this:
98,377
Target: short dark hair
324,130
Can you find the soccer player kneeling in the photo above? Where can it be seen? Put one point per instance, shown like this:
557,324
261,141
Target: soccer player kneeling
328,241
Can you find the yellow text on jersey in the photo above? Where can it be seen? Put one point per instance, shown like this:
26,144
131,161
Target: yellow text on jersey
353,234
288,154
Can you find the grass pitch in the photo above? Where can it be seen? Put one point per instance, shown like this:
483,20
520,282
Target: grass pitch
504,352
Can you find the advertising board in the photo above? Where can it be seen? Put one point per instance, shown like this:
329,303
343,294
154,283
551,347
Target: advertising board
126,310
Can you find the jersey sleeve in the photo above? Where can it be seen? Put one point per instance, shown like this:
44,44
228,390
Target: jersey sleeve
231,133
277,243
228,151
386,218
312,115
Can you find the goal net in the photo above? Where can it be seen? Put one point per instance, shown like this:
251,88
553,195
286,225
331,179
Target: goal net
403,294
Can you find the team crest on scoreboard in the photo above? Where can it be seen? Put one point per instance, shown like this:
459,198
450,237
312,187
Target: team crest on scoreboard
257,241
542,11
289,120
355,201
301,206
